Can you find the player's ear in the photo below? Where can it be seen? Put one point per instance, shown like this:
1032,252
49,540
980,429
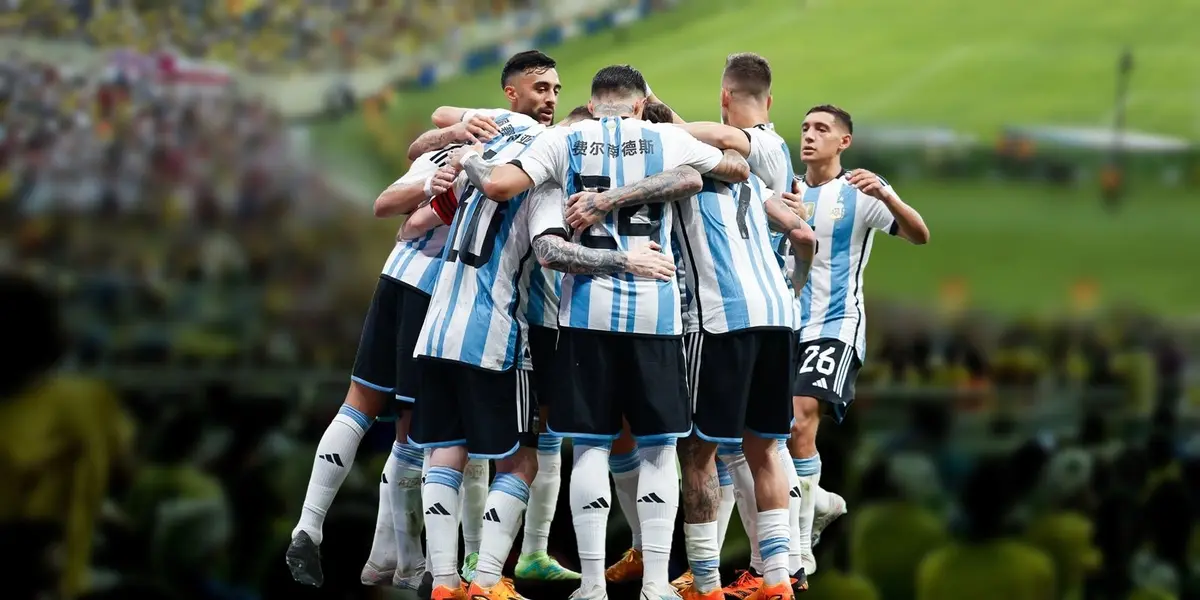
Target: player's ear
769,100
591,107
510,92
638,105
845,143
724,98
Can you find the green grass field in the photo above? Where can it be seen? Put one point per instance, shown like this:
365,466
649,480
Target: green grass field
972,66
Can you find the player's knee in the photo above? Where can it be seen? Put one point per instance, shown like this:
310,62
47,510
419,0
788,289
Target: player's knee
697,454
523,463
366,400
454,457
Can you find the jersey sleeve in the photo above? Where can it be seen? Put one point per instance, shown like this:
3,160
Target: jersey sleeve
546,211
419,171
876,214
546,158
681,149
767,159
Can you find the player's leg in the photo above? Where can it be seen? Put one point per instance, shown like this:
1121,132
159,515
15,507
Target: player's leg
407,522
768,421
659,412
437,426
728,500
371,386
584,409
501,426
623,463
474,497
534,562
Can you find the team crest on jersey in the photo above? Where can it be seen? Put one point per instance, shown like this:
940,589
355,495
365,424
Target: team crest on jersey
810,211
837,212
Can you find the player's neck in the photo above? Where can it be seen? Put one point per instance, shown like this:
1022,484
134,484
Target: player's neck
742,116
822,173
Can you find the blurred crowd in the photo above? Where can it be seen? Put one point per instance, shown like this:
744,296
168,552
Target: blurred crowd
259,36
180,227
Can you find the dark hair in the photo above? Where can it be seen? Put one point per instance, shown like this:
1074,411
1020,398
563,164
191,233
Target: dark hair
657,112
622,80
524,62
579,113
749,73
840,115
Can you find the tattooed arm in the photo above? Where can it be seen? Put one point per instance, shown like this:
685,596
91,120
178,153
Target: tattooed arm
554,252
733,168
719,135
588,208
436,139
803,239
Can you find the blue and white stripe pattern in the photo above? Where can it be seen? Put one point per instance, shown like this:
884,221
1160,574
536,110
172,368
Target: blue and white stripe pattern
444,476
409,456
541,303
356,415
623,463
731,266
512,485
844,220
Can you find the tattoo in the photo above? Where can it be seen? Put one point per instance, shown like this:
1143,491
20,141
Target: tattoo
431,140
733,168
556,253
701,488
612,109
800,274
668,186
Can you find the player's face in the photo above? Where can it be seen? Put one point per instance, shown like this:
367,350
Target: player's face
823,137
535,94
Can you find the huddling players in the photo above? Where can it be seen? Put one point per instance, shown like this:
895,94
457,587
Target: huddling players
672,247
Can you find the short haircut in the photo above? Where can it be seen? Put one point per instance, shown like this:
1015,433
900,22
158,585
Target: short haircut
657,112
748,73
525,62
839,115
618,80
580,113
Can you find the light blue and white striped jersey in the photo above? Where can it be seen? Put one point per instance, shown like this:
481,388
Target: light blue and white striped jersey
687,300
731,265
771,161
540,304
416,262
845,220
611,152
473,314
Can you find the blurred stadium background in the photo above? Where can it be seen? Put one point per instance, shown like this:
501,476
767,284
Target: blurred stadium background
193,180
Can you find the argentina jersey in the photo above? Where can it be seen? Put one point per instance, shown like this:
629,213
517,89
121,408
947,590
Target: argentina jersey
611,152
473,314
771,161
844,220
416,262
731,266
687,300
541,300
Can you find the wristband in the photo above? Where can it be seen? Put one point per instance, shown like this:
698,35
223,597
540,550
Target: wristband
444,205
428,188
468,155
467,115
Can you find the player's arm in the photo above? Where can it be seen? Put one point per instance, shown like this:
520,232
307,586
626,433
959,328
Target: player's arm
680,148
446,116
423,181
719,135
651,97
905,221
803,239
588,208
557,253
733,168
544,160
474,127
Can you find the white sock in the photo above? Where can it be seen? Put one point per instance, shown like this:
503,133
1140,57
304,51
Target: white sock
728,501
625,470
543,495
822,499
406,506
590,502
743,491
383,545
440,501
425,466
773,532
506,503
658,503
795,502
335,456
474,496
807,469
703,554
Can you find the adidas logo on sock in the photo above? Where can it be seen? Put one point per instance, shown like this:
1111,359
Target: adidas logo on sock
437,509
795,493
491,515
651,498
597,503
333,458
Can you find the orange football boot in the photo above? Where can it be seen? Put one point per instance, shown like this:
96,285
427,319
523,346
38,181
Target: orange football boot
501,591
744,586
442,592
684,581
779,591
690,593
629,568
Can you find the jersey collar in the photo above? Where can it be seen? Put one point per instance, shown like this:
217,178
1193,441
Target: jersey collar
840,175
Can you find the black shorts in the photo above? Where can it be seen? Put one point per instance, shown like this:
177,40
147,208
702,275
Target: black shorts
826,370
492,413
601,377
543,346
741,381
389,337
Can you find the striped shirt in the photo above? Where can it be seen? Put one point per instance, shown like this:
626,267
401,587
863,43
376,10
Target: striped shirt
416,262
845,220
731,265
540,304
473,315
610,152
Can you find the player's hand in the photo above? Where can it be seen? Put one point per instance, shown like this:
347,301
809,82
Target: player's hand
585,209
867,183
795,202
796,184
442,180
479,128
456,156
649,261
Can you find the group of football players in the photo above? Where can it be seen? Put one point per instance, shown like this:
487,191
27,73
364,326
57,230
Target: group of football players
669,295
